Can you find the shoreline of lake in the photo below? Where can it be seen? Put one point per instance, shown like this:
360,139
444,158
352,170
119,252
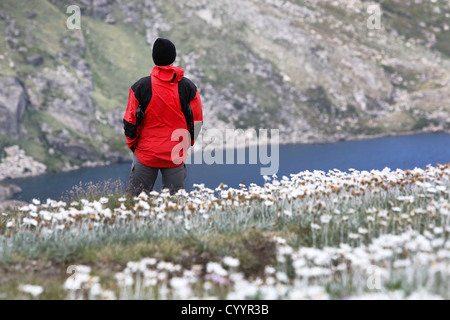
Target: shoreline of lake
399,152
285,143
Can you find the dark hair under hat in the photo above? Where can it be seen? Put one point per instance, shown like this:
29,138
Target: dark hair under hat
164,52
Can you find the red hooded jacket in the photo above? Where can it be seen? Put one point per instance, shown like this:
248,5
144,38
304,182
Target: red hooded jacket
170,99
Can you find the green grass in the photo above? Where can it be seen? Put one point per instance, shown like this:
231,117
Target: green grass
10,287
52,25
118,56
253,249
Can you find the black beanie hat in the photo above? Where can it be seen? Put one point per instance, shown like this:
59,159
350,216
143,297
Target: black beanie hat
164,52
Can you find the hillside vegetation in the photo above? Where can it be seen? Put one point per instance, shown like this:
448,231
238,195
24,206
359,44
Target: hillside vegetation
309,68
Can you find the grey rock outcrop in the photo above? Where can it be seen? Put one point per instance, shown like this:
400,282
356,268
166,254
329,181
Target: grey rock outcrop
18,165
13,102
71,103
78,151
9,191
35,60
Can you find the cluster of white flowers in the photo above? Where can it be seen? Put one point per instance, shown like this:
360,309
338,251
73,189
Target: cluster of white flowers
82,286
418,262
153,279
397,221
325,198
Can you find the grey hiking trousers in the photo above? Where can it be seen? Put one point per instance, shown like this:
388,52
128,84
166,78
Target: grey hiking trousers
143,178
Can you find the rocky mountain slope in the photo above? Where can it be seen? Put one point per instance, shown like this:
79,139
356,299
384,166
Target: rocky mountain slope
309,68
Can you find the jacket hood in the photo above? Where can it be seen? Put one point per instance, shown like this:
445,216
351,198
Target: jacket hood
168,73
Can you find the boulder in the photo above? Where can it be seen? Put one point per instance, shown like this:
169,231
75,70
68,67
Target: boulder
32,15
9,191
35,60
110,19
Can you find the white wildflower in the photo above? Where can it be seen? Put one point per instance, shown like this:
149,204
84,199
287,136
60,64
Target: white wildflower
288,213
231,262
325,219
30,222
35,291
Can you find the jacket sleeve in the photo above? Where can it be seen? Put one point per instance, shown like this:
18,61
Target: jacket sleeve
197,112
129,122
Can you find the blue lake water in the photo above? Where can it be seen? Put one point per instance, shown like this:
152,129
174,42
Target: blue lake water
402,152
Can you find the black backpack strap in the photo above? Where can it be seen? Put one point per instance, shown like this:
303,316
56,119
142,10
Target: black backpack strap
143,93
187,92
142,90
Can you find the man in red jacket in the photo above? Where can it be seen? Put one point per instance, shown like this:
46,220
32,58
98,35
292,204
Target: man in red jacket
159,107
